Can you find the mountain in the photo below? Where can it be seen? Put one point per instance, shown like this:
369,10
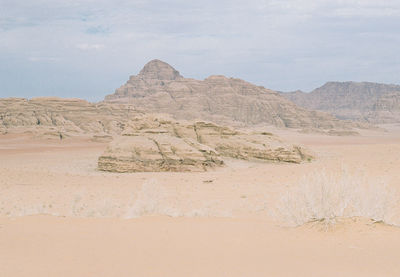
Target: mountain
371,102
160,88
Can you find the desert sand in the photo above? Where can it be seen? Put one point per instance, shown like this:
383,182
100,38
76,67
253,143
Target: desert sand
60,216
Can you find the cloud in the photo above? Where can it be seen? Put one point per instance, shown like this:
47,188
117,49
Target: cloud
97,30
282,44
43,59
87,46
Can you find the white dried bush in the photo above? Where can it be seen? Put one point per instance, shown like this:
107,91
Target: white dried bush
326,197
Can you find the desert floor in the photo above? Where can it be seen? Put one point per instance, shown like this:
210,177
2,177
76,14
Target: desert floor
61,217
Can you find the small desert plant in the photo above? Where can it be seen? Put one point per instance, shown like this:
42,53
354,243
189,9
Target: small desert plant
326,197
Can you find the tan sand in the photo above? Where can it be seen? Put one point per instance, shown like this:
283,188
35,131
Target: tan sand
61,217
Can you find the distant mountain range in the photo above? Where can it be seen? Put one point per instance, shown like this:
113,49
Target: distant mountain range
160,88
370,102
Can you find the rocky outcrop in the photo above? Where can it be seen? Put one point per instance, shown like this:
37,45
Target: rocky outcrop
159,88
151,143
370,102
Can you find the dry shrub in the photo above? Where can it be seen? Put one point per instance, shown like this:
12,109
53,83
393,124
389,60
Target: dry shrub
326,197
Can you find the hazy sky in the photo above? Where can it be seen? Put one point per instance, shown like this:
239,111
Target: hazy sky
88,48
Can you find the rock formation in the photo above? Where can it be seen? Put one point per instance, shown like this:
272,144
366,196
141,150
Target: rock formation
160,88
151,143
141,142
370,102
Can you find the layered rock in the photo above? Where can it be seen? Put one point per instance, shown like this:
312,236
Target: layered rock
371,102
151,143
160,88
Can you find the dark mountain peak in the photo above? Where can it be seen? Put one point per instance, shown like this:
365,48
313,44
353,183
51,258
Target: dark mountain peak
159,70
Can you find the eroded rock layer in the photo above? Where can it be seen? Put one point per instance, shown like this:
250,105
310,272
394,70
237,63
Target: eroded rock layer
59,116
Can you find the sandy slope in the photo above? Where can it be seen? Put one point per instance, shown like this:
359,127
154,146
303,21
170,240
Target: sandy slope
218,224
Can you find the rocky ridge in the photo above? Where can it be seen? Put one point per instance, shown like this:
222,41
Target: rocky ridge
53,116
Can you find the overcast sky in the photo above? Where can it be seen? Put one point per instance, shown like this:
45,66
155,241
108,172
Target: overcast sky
88,48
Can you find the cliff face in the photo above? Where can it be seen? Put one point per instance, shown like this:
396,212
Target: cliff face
160,88
371,102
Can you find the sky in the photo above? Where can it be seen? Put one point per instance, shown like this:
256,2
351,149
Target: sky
88,48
